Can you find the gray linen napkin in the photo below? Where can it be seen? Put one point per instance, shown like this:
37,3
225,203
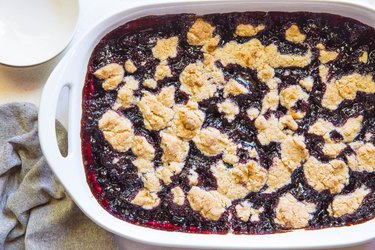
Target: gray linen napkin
35,211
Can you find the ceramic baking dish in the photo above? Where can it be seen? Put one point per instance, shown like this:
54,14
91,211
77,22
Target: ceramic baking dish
70,170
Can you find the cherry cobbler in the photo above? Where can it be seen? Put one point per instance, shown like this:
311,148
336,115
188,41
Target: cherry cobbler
249,123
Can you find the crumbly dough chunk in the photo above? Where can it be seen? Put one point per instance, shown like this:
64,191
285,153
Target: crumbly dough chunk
349,130
200,81
210,204
117,130
174,149
293,151
200,32
229,108
268,130
151,182
230,154
364,57
188,120
245,211
162,71
150,83
146,199
165,48
266,73
254,55
193,177
307,83
125,95
291,213
235,183
178,196
252,113
346,88
364,157
143,165
112,74
279,175
142,148
168,170
348,203
293,34
211,142
234,88
270,101
248,30
130,66
321,128
327,56
166,96
332,176
156,115
333,149
290,95
287,121
323,73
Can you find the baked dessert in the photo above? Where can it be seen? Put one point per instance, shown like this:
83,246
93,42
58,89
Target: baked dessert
249,122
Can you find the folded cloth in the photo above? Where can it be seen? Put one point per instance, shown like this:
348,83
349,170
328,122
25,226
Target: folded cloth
35,211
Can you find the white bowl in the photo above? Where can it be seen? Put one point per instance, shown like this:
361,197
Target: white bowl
70,170
32,32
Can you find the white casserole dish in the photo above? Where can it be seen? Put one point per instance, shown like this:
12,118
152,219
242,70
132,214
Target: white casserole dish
71,72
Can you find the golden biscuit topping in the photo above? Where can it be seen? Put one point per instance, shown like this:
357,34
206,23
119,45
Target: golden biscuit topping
188,120
245,211
235,183
125,95
165,48
112,74
364,157
142,148
168,170
156,115
269,130
130,66
117,130
210,141
146,199
210,204
200,32
291,213
200,81
150,83
229,108
248,30
178,196
307,83
232,87
333,175
293,34
364,57
162,71
348,203
346,88
174,149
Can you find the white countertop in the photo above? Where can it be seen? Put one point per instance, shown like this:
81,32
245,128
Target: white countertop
25,84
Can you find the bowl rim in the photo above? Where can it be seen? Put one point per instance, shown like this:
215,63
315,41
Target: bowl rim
67,40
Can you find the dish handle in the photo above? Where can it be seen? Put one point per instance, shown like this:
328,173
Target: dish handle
47,124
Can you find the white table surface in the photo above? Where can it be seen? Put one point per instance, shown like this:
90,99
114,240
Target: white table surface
26,84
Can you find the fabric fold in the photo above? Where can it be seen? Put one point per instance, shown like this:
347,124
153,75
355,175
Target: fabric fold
35,211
